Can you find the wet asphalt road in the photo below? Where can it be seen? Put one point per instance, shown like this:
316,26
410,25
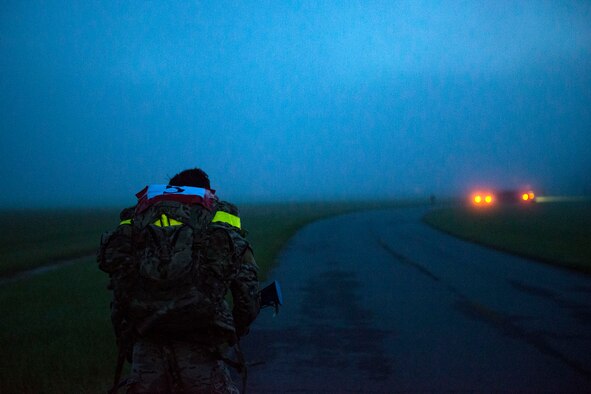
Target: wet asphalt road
380,302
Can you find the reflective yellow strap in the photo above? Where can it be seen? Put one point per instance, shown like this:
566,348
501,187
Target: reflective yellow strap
165,221
225,217
128,221
172,222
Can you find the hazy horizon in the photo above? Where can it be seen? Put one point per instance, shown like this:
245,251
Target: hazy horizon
295,100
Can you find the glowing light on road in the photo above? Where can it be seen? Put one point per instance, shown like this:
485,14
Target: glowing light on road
478,199
488,199
525,197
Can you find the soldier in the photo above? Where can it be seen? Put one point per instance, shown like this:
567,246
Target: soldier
172,261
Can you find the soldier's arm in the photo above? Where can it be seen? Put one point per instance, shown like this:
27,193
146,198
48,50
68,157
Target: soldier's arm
115,252
244,283
245,293
115,257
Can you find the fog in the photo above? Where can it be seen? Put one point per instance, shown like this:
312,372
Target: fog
286,100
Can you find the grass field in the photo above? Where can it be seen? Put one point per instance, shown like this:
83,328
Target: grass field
33,238
55,332
556,233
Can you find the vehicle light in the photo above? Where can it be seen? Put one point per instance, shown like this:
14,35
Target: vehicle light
478,199
488,199
531,195
525,196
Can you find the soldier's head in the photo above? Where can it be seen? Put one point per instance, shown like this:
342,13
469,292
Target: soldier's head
194,177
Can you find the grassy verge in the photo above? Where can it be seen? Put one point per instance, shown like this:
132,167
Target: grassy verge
556,233
55,333
35,238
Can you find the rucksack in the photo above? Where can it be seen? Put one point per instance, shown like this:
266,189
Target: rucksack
162,287
169,245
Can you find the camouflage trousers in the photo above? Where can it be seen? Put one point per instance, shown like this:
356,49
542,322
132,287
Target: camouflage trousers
177,367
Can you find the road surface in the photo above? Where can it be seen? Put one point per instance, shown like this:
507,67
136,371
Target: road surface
380,302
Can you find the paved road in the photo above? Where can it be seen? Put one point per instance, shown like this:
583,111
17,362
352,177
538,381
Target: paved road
379,302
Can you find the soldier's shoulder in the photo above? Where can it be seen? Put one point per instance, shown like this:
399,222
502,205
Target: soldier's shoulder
228,215
127,213
228,207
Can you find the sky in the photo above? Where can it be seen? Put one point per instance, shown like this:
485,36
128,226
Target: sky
293,100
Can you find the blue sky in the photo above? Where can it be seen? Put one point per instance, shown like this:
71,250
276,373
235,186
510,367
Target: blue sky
293,100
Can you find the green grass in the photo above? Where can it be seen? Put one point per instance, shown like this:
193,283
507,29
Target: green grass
55,335
55,332
33,238
557,233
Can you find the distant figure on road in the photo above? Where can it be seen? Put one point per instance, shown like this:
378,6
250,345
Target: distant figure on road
171,261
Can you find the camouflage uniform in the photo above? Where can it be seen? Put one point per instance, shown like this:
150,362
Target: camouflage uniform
189,361
177,366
